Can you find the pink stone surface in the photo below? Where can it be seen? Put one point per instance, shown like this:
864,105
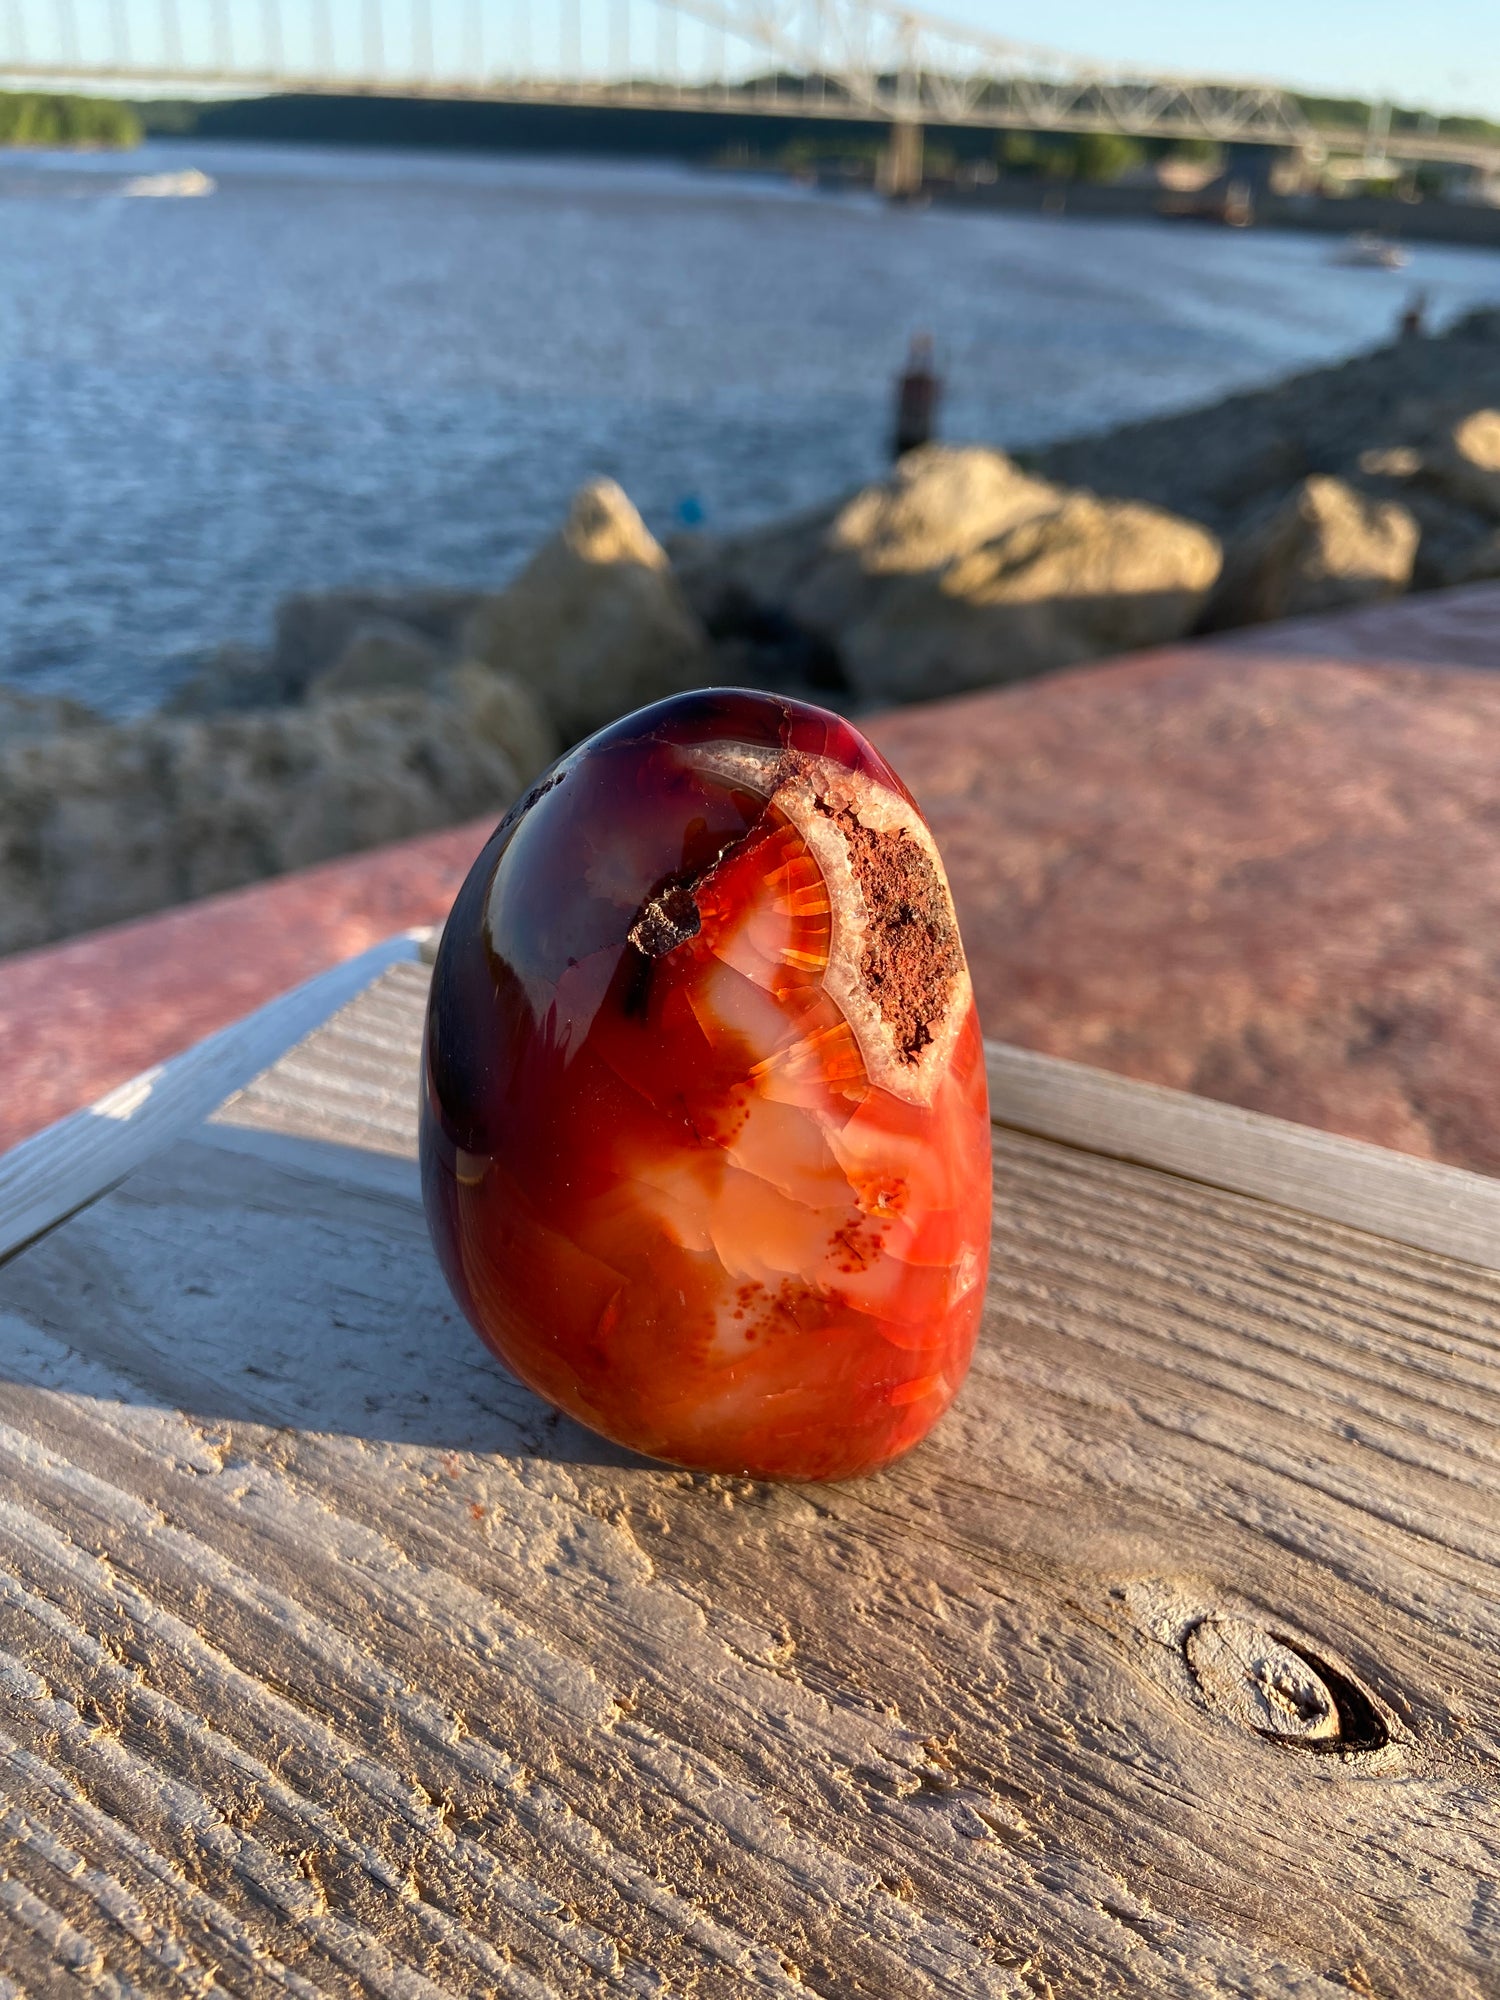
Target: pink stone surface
78,1018
1445,628
1270,880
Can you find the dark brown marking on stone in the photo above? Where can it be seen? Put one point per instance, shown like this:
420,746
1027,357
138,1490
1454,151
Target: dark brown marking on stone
912,953
529,798
667,919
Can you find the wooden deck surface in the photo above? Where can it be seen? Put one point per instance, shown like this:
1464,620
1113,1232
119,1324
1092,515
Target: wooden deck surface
332,1662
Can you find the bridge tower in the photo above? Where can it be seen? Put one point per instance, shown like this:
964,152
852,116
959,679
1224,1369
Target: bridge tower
898,171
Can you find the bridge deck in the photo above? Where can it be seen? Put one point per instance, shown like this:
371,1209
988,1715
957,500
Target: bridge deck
1224,113
333,1663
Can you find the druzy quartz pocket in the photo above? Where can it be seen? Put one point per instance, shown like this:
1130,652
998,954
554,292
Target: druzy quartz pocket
705,1138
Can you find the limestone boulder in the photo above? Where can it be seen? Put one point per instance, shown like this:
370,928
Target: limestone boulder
1324,547
101,824
314,628
939,504
1399,462
1482,560
380,656
25,716
732,581
337,641
596,624
1084,578
504,712
1458,544
1465,464
230,680
959,570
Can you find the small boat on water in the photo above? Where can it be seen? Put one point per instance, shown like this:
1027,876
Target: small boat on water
1369,251
191,181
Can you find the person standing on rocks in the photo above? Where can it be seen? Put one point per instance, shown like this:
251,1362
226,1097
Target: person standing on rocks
917,394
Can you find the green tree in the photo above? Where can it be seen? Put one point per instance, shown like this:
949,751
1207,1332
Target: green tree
1201,152
1060,156
1104,156
38,118
1016,153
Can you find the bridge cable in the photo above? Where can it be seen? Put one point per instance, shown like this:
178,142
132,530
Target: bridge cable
119,35
374,40
171,35
473,55
270,28
323,54
569,40
523,37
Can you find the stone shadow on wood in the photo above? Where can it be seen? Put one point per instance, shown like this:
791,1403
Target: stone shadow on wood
244,1277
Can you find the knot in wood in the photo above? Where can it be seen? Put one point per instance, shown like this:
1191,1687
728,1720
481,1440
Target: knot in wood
1269,1685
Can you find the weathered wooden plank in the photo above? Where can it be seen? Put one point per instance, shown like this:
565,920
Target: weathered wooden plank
1420,1202
50,1175
353,1081
351,1669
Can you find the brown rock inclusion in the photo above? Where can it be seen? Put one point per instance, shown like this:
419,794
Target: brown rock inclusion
911,952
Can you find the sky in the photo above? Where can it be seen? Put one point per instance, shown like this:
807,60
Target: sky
1440,54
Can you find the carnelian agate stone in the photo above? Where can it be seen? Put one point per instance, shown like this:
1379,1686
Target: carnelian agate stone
705,1137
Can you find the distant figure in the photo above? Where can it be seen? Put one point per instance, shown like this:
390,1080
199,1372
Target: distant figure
1412,323
917,395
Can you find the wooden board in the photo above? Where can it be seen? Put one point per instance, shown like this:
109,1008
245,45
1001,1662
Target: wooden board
56,1171
331,1662
1420,1202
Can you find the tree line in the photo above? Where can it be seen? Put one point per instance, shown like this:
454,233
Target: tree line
46,118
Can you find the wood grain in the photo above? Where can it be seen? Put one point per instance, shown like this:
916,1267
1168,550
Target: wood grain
1421,1202
331,1662
68,1164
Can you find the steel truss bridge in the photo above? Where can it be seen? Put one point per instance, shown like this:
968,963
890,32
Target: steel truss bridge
862,60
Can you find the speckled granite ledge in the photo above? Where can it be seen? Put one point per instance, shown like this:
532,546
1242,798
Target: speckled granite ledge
1266,869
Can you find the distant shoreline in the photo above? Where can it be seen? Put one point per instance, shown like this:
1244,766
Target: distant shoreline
62,121
1475,225
782,146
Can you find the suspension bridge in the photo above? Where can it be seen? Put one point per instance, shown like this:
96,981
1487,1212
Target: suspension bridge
855,60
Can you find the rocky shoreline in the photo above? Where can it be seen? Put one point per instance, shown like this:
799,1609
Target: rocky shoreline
374,716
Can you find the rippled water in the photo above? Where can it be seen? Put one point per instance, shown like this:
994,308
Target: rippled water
353,367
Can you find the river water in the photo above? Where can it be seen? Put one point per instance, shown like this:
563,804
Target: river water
344,367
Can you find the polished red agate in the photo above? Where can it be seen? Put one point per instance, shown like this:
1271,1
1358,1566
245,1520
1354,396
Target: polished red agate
705,1135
